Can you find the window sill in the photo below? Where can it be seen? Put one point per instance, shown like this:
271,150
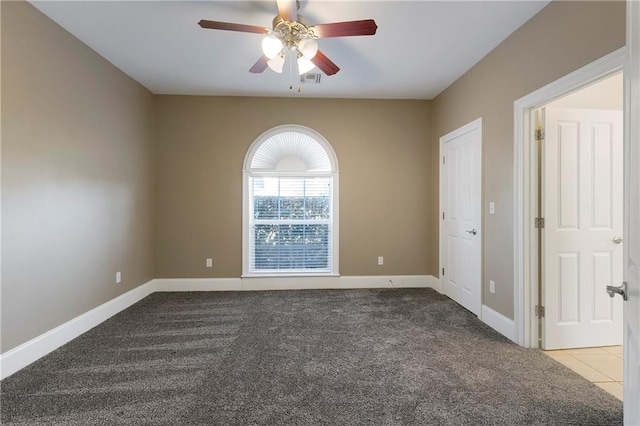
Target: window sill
291,275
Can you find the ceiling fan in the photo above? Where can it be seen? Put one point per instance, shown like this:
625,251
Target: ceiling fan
292,35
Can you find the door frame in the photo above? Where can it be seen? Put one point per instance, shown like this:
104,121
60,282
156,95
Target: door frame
525,175
469,127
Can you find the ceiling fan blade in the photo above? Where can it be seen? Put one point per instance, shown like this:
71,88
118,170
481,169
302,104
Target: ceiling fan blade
259,66
325,64
344,29
288,10
228,26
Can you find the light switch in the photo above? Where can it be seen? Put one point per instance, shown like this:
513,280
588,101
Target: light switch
492,207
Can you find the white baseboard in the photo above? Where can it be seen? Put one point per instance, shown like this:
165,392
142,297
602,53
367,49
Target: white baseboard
296,283
391,281
29,352
23,355
198,284
499,322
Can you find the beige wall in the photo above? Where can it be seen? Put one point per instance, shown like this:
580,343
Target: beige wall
77,184
563,37
79,187
605,94
388,202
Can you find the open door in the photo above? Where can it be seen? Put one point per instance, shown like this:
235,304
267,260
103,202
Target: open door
582,235
632,219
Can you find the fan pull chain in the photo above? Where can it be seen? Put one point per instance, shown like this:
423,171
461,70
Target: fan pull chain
291,74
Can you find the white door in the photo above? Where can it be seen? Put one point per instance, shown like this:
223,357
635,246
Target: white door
582,237
632,219
460,202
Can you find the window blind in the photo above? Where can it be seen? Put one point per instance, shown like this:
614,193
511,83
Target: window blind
290,224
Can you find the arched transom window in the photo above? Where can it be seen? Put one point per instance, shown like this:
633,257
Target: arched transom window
290,208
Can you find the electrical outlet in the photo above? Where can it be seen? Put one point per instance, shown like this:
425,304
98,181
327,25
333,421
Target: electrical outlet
118,277
380,260
209,263
492,286
492,207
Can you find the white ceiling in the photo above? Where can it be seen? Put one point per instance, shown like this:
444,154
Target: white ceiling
421,47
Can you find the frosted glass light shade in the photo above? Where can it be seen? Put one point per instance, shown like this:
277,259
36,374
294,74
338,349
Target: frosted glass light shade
276,63
308,47
304,65
271,46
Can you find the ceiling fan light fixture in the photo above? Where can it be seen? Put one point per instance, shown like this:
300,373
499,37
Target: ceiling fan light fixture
304,65
276,63
271,46
308,47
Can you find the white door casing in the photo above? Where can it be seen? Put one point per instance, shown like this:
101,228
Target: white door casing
525,166
582,205
631,256
461,215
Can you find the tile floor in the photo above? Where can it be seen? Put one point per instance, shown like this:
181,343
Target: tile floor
602,366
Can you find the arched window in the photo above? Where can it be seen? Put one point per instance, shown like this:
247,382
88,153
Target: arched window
290,204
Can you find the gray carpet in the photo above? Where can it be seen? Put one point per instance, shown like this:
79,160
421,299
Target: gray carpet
350,357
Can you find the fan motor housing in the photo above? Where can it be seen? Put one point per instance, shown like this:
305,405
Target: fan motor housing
291,33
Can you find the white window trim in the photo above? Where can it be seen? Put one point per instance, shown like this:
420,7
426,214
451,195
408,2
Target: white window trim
246,201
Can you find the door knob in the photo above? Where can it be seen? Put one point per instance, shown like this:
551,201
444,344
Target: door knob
617,240
472,232
622,291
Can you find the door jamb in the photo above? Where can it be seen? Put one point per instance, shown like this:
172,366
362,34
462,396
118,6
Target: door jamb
525,176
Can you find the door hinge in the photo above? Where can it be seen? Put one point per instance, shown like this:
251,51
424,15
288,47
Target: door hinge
442,215
443,272
443,160
539,222
540,311
539,135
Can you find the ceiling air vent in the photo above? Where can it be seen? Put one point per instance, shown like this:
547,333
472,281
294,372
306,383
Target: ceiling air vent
311,78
